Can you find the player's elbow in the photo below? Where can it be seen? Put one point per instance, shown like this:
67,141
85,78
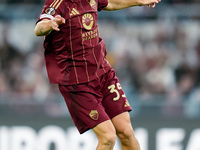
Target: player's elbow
110,7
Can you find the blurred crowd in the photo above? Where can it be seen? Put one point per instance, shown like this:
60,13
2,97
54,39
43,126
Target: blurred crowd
22,67
158,58
22,1
151,58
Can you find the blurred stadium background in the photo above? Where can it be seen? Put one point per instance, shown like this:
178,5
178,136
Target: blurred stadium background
156,55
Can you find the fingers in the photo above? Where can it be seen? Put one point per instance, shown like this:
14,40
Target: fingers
55,26
58,20
156,1
153,4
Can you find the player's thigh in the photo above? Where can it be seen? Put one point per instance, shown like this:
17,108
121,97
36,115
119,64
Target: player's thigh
114,99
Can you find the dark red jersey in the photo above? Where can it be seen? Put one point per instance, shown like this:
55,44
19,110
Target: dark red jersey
75,54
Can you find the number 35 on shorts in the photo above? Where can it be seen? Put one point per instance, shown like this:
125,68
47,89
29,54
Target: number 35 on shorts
115,89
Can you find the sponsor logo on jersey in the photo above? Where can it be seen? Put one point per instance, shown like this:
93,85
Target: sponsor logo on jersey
74,12
94,114
126,104
89,35
50,11
88,21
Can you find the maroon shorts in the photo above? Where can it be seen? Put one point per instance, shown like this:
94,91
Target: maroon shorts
94,102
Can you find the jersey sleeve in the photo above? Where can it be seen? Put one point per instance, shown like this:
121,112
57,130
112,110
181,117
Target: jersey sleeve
51,9
102,4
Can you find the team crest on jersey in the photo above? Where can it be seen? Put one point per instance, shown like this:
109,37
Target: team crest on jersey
94,114
93,4
50,11
88,21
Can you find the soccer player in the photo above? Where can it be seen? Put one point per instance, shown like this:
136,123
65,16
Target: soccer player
76,60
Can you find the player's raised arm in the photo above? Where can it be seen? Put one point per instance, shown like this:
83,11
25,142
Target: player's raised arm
45,26
121,4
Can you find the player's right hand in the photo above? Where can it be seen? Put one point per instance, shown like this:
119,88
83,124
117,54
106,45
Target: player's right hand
153,4
58,20
150,3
